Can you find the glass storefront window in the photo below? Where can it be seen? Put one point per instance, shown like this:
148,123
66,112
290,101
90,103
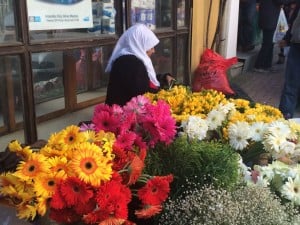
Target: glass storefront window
162,59
7,21
103,16
163,13
143,12
47,68
90,63
11,104
181,13
153,13
182,44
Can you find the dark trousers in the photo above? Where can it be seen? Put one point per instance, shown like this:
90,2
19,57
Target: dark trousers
290,92
265,55
246,27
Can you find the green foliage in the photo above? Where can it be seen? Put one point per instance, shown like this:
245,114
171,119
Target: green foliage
202,162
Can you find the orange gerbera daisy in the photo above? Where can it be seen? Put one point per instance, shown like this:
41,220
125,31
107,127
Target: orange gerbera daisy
33,167
135,169
148,211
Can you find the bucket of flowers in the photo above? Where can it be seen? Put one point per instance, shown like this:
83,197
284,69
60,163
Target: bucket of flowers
93,173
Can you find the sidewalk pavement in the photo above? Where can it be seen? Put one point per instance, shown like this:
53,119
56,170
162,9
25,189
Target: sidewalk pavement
264,88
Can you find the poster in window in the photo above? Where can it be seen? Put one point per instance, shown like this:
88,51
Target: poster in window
59,14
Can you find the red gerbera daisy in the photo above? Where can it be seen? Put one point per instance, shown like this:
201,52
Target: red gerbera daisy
105,121
65,215
57,201
113,198
120,159
156,190
125,140
75,191
85,208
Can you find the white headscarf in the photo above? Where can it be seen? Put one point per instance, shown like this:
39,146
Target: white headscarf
136,41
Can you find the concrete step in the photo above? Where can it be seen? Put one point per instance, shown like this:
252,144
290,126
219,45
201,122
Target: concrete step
248,58
235,70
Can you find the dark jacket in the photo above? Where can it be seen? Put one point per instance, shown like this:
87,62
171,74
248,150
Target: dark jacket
128,78
269,12
288,35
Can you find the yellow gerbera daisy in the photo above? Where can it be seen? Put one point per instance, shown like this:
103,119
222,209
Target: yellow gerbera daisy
105,140
59,165
71,136
90,165
42,206
26,211
16,147
35,165
54,141
50,151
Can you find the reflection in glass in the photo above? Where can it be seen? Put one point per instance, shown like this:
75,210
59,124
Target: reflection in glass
143,12
104,16
153,13
182,49
181,13
7,21
163,13
47,68
90,77
162,59
11,104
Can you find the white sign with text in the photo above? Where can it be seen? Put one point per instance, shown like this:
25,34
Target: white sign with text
59,14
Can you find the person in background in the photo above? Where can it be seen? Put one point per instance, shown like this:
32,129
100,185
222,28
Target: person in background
131,72
291,11
268,14
246,26
291,89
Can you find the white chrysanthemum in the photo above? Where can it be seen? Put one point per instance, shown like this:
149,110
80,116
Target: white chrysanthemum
257,131
291,190
287,147
293,171
272,142
239,134
195,127
295,129
261,181
280,171
225,108
266,172
296,151
251,117
244,171
215,119
279,128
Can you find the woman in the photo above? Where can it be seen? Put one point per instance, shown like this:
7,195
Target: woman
130,66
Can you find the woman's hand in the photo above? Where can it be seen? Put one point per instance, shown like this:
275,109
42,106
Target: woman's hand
170,79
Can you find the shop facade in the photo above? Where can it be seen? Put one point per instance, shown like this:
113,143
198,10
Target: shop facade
49,73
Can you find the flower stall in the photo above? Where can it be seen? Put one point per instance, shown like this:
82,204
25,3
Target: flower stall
174,157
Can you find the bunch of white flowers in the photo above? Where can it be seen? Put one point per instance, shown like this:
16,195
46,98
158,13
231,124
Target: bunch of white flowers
281,177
